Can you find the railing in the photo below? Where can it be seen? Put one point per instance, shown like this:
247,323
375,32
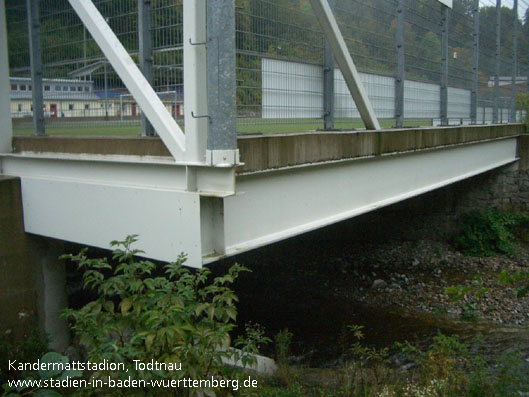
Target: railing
421,64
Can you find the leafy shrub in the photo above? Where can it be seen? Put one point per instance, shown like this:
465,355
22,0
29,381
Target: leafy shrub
47,378
486,233
28,350
178,318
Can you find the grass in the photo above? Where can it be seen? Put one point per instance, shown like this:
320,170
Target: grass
244,126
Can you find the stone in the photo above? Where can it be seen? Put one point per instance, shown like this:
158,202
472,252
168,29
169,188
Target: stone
379,283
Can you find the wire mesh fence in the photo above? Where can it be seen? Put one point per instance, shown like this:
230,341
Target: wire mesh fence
281,64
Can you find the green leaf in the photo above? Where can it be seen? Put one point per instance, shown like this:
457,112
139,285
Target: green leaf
46,393
51,370
71,374
149,340
125,305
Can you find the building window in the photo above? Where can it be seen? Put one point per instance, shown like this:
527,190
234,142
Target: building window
87,89
22,87
14,87
70,106
86,106
31,107
65,88
19,107
30,88
80,89
58,88
46,88
72,88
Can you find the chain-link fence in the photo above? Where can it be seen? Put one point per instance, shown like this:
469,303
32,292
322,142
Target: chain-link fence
421,64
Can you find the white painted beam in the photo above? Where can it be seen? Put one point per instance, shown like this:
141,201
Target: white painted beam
334,37
132,77
5,88
195,99
280,204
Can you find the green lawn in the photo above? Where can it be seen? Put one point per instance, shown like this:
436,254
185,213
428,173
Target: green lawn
244,126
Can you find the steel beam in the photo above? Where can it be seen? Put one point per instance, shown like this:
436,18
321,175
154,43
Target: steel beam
5,88
475,65
399,78
444,65
334,37
222,111
36,66
146,63
496,103
284,203
512,113
132,77
195,82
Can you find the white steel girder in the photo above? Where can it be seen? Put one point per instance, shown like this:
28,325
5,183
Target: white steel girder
92,200
132,77
280,204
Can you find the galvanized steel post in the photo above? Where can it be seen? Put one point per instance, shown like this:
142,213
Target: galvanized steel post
444,65
36,66
475,66
222,114
145,47
399,78
512,113
498,64
328,83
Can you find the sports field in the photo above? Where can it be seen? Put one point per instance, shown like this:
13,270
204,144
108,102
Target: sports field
244,126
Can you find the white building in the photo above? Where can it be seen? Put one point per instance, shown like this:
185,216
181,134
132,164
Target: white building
72,98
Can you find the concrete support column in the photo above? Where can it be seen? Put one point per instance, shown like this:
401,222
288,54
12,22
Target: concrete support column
5,102
51,292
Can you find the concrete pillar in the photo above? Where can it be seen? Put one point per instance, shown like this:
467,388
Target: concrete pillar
5,88
51,289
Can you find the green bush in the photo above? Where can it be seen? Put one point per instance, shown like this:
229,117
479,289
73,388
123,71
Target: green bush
486,233
181,317
28,350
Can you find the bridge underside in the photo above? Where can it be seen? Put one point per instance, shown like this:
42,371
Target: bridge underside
94,190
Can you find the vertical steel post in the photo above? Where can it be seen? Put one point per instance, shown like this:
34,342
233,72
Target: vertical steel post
328,83
36,66
475,65
195,80
5,100
399,78
444,65
498,64
512,113
146,62
222,135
